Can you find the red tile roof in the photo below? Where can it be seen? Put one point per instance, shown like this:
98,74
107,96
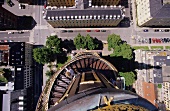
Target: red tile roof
4,47
149,92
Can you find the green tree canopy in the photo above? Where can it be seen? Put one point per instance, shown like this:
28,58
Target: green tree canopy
123,50
42,55
90,44
85,42
80,41
54,43
126,51
113,41
129,77
49,73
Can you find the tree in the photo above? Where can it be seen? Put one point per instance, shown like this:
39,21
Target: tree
54,43
90,44
80,41
117,52
42,55
123,50
49,73
129,77
113,41
126,51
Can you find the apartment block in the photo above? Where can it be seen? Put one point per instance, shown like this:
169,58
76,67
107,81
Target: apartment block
84,14
17,56
58,3
153,76
153,12
105,2
26,1
166,93
7,19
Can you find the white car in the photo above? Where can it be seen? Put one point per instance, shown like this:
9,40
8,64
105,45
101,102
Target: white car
10,32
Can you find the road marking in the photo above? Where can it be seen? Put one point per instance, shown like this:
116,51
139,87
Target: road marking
5,37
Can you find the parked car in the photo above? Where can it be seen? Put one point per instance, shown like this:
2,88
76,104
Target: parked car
10,40
20,32
145,30
166,30
103,30
10,3
70,31
5,40
10,32
97,30
150,41
88,30
156,30
2,41
63,31
21,6
161,30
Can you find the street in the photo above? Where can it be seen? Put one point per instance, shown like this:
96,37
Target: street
24,37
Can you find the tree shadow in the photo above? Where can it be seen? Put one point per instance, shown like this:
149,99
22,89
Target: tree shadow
26,23
69,45
99,42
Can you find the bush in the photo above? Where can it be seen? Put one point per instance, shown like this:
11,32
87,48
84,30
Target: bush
159,85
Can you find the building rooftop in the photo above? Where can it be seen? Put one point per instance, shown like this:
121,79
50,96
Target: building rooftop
19,78
149,92
166,73
87,13
4,47
17,53
6,102
83,8
158,9
15,99
158,72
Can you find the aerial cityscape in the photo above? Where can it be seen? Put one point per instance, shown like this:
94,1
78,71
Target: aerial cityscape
85,55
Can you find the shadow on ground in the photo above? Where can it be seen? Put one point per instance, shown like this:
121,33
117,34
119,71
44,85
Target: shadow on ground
26,23
125,65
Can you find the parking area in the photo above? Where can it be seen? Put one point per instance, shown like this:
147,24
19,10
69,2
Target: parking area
18,9
152,40
156,30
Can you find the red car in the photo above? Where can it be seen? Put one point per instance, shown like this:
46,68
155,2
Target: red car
97,30
88,30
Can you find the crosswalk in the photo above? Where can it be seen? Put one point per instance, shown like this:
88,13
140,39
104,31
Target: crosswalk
41,27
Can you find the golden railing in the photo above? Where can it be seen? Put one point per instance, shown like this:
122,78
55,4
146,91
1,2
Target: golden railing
42,104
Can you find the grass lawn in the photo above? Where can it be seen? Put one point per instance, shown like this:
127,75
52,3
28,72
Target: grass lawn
62,64
156,47
141,47
167,47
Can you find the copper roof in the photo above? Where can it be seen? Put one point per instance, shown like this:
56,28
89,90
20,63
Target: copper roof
4,47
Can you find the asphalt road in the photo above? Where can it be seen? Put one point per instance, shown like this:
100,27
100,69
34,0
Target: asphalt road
24,37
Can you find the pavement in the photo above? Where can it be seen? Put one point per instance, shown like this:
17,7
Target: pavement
24,37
